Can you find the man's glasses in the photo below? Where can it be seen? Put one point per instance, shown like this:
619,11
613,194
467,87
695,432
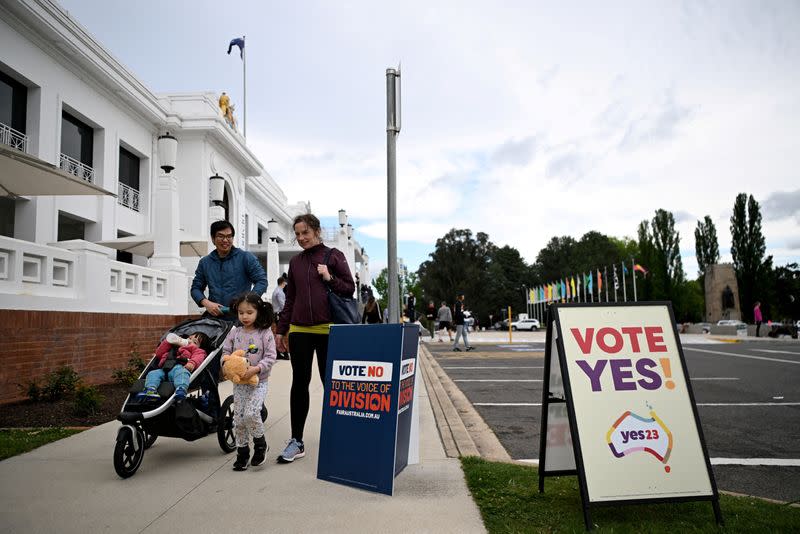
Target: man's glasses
224,237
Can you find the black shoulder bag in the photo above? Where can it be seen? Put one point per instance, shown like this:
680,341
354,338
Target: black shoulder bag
344,310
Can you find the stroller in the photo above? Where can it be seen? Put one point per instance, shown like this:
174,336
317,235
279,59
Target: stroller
197,416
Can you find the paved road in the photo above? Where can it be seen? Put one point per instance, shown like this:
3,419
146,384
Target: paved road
748,397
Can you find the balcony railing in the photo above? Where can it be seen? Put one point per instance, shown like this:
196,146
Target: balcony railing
76,168
11,137
128,196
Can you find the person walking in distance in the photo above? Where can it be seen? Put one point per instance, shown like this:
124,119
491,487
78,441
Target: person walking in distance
278,301
757,317
306,319
372,312
445,320
461,328
430,315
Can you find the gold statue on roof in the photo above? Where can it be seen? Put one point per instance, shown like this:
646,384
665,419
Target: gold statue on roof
227,110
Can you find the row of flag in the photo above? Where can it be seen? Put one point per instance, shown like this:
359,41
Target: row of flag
591,286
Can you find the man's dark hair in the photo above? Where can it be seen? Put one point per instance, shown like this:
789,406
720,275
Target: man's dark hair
216,226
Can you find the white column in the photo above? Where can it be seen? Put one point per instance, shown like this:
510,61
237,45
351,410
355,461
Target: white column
273,265
166,225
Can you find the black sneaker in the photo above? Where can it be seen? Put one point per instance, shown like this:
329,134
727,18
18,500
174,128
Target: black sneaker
242,457
456,349
260,448
470,348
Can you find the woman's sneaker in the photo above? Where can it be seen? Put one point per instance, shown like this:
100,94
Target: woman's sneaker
294,449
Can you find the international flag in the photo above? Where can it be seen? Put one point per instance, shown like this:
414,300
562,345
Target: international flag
590,283
624,269
563,289
616,278
572,282
238,41
599,281
641,269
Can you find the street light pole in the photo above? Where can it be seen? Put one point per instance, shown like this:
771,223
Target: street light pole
392,131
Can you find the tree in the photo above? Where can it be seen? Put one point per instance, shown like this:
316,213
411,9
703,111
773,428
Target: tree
459,264
705,245
747,248
659,246
556,259
407,283
646,258
509,275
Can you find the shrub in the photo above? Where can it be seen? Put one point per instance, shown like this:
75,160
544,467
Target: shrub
32,390
128,374
60,383
87,400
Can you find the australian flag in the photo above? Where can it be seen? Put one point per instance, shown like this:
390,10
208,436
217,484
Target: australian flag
239,41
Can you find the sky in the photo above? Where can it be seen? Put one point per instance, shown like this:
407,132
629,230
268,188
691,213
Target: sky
524,120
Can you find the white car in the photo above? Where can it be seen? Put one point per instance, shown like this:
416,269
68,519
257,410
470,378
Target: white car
732,322
526,324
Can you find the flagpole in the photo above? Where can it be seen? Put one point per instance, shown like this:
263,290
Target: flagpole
244,88
624,289
633,274
616,283
605,277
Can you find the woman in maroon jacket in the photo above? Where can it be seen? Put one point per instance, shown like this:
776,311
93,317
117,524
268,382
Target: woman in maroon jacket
305,319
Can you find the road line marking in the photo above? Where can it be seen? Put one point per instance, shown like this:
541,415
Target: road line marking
748,404
781,462
778,351
507,404
712,378
797,362
493,367
493,380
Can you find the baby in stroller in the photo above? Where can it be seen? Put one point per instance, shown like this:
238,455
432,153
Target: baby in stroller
175,364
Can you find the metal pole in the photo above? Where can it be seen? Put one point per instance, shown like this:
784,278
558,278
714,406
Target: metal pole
633,275
244,88
392,131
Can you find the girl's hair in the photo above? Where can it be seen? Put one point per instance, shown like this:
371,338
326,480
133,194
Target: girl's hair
264,314
201,338
311,221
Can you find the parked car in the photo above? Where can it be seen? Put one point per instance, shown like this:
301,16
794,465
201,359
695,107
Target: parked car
732,322
526,324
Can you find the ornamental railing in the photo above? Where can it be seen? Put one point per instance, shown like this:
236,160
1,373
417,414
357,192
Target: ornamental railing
76,168
128,196
11,137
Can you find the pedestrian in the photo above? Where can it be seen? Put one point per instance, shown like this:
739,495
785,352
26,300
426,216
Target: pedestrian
445,319
461,328
411,304
254,336
430,315
372,312
228,272
757,317
306,319
278,301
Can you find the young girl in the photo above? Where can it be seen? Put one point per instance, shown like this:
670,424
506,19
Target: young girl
179,371
256,339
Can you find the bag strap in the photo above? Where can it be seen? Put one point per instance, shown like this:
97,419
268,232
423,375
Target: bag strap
325,262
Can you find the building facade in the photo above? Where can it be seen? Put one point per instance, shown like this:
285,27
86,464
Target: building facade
66,101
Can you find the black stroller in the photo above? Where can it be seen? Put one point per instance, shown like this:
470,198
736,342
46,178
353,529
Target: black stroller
200,414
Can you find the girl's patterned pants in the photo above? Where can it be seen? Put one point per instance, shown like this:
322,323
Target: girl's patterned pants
247,402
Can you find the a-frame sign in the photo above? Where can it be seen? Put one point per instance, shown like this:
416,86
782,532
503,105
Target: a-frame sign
618,409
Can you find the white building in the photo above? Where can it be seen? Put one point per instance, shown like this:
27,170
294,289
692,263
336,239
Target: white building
66,103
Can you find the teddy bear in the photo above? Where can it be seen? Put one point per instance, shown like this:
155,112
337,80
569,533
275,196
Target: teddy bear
234,366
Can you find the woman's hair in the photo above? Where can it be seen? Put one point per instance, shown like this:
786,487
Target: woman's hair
311,221
371,303
201,338
264,314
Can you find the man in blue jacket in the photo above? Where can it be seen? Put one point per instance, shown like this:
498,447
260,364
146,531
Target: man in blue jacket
227,272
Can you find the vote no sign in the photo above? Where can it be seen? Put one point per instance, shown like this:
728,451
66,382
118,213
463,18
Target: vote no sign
633,422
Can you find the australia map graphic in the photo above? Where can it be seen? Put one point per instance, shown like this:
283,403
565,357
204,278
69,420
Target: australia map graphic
632,433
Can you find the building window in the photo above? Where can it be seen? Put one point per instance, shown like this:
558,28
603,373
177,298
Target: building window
128,193
7,213
77,139
69,228
13,106
123,256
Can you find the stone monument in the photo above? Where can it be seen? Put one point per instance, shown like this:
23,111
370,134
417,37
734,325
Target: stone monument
722,293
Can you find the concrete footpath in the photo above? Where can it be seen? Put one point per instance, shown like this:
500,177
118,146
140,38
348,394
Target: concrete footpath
71,486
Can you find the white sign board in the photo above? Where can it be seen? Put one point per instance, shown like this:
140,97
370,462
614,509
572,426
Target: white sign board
638,437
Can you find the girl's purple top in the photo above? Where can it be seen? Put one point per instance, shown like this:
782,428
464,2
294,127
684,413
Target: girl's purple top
258,346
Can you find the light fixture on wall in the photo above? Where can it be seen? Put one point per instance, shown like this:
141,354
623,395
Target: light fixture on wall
216,190
349,231
342,218
272,229
167,152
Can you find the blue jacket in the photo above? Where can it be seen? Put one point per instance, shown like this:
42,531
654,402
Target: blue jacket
228,277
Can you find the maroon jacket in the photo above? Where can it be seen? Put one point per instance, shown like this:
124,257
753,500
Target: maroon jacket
306,292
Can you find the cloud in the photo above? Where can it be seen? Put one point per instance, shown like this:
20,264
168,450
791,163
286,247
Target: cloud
780,205
515,152
656,125
682,216
793,243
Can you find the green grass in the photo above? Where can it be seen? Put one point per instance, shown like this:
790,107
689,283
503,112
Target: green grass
16,441
509,500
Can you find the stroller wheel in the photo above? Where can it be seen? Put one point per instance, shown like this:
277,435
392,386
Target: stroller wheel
129,451
227,441
149,439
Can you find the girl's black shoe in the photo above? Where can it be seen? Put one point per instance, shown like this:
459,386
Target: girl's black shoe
260,449
242,457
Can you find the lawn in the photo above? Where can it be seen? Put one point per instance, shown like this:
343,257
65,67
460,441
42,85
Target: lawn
509,500
14,441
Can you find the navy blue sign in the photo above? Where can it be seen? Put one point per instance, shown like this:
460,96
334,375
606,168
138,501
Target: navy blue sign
367,405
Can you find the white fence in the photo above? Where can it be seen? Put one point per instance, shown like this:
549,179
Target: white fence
80,276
